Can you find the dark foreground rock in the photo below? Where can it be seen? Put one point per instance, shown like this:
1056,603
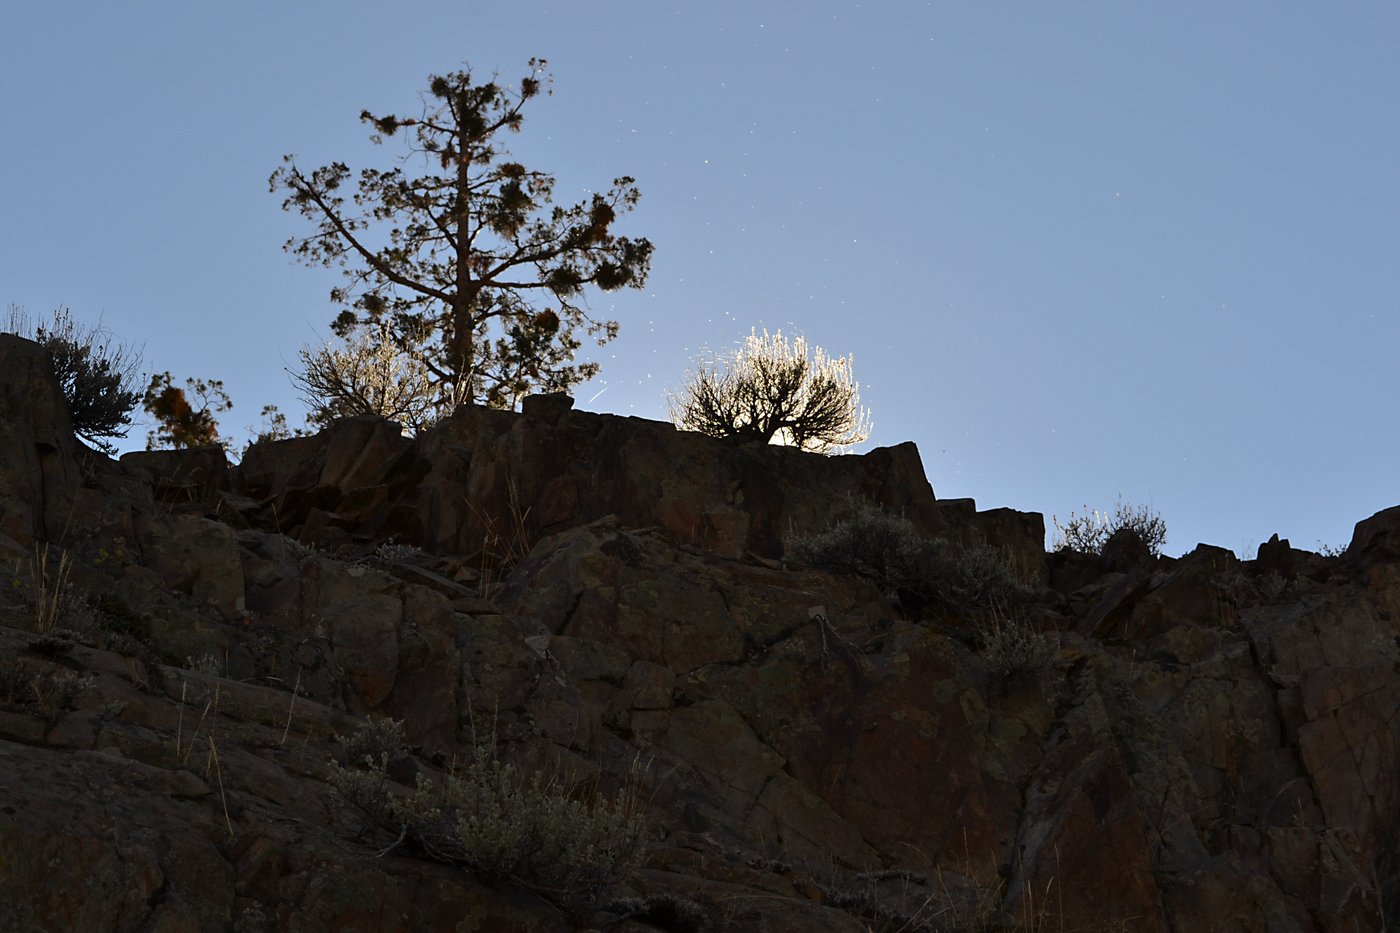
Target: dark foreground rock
1205,744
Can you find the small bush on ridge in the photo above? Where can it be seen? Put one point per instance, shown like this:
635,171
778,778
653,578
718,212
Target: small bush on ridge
774,390
378,739
179,423
1088,533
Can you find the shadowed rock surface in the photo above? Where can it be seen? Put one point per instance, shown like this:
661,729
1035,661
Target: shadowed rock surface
1211,744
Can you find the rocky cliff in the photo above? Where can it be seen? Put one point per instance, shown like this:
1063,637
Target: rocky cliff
1207,744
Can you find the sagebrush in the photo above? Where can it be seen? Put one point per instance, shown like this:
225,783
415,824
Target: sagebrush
184,418
99,376
1088,533
773,389
376,740
928,571
499,823
1013,649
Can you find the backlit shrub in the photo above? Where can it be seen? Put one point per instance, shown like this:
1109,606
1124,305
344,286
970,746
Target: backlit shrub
1088,533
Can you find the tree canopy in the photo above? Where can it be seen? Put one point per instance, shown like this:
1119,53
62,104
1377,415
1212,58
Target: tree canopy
471,265
184,418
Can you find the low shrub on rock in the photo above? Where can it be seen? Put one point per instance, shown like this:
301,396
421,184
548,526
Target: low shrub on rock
492,820
1013,649
924,571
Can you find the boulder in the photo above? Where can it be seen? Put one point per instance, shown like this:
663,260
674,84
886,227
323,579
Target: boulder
1125,551
39,456
197,557
183,476
1276,556
1377,539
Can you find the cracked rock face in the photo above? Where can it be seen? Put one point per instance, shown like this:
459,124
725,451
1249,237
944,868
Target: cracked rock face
1207,744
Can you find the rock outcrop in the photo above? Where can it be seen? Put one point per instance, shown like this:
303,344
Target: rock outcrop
1203,743
485,483
38,453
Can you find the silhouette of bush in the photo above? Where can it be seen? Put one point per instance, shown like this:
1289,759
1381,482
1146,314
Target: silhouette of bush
98,375
274,427
368,373
1088,533
184,417
923,571
774,390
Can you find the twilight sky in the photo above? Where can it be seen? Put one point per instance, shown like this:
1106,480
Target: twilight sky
1078,251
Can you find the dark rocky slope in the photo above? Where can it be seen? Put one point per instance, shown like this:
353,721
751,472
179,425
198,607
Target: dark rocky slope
1215,746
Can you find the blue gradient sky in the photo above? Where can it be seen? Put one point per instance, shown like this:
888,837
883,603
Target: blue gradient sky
1079,251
